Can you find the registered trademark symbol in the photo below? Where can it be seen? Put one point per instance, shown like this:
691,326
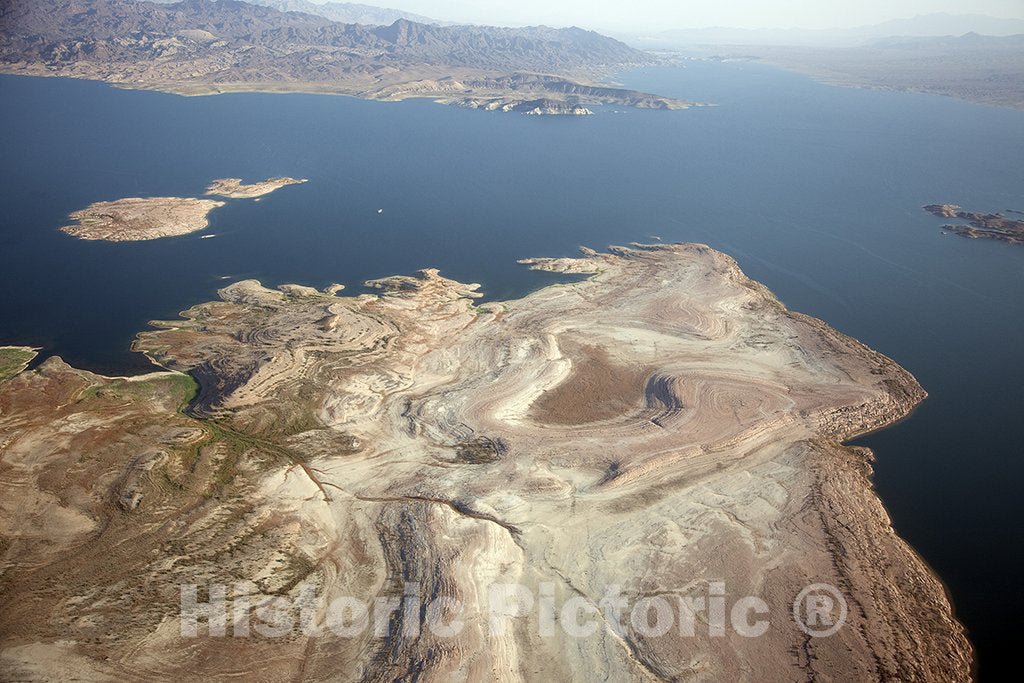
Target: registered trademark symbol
820,610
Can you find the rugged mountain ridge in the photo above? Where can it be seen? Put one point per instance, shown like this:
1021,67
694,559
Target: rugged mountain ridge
194,45
347,12
119,28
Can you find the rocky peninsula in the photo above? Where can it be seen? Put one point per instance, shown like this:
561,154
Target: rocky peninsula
539,107
994,226
663,426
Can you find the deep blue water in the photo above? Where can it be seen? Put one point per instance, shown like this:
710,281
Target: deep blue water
815,190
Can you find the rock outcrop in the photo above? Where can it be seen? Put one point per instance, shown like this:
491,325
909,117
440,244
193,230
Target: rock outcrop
994,226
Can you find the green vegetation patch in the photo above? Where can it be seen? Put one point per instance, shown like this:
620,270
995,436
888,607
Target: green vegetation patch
179,390
13,360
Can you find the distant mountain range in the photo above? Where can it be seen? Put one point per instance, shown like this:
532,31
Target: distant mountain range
938,24
203,33
968,42
348,12
203,46
984,69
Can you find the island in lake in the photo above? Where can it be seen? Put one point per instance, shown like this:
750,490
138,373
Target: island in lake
664,424
995,226
150,218
138,218
235,189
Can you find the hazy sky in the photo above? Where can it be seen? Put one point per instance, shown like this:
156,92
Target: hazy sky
665,14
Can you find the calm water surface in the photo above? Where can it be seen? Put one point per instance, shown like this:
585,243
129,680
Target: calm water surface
815,190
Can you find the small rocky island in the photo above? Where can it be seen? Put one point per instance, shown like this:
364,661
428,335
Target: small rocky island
148,218
137,218
234,189
995,226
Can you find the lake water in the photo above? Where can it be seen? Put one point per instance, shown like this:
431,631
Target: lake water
815,190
